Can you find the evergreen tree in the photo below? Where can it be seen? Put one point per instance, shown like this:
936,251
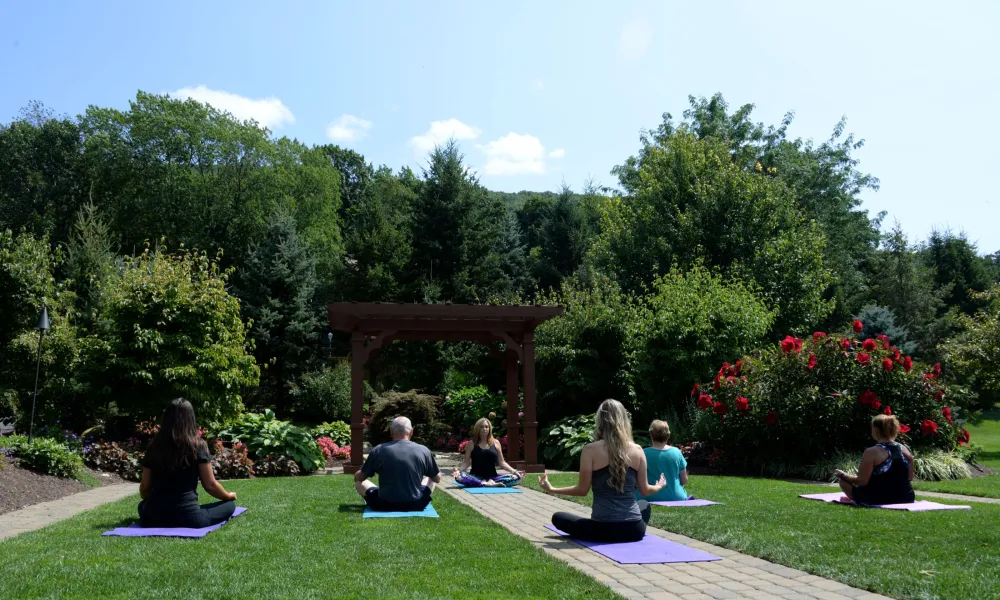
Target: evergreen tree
959,268
90,258
277,288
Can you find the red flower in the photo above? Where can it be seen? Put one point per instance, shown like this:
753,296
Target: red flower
812,362
896,356
737,367
887,411
717,383
704,401
907,364
791,343
818,336
742,404
864,358
939,395
845,344
929,377
946,412
858,326
719,408
883,340
876,405
771,418
868,398
904,428
868,344
887,364
937,370
928,427
694,390
963,437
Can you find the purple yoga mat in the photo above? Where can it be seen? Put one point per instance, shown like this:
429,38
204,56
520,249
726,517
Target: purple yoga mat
647,551
918,506
691,502
134,530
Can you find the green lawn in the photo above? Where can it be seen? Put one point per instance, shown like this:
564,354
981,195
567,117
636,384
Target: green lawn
302,538
987,436
948,554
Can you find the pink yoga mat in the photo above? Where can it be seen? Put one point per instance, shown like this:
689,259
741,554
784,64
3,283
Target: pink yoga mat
918,506
647,551
678,503
134,530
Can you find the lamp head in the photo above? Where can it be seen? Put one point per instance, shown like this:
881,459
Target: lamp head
43,320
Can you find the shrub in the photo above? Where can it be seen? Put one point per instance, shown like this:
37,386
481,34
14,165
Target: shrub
421,409
232,463
975,351
691,323
802,401
113,458
276,467
327,446
564,441
342,453
323,395
267,436
463,407
338,431
44,455
930,465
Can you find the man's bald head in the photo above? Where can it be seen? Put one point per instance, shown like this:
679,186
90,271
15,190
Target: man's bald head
401,428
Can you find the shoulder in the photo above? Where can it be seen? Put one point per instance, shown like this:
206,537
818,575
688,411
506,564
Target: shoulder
874,451
204,456
496,443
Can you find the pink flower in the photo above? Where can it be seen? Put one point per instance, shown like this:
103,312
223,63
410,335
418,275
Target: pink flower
520,415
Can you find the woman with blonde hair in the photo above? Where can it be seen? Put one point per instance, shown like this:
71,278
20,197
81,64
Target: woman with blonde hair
615,467
886,468
482,456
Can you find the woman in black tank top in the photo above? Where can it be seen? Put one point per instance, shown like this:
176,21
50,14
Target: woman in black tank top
886,469
483,454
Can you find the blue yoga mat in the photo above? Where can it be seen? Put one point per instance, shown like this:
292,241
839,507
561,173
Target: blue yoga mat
493,490
374,514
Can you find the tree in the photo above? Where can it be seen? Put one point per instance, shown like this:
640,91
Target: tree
879,320
277,288
170,329
90,258
689,203
355,175
957,267
823,179
41,179
974,353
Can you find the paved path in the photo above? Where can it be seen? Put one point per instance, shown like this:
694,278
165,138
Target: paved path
735,576
46,513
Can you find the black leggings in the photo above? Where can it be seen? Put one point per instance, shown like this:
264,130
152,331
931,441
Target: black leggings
205,515
611,532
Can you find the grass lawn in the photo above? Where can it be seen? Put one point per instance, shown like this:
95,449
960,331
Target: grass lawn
987,436
948,554
302,538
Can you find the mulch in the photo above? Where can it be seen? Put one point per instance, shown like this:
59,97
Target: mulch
20,488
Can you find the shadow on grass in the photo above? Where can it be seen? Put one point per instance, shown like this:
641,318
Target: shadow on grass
351,508
109,525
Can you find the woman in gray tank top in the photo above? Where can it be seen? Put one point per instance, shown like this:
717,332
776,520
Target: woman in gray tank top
610,466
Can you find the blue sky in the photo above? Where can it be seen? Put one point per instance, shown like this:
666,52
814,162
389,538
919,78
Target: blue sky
539,93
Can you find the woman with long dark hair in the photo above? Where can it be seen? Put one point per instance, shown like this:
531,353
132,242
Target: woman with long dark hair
614,467
175,461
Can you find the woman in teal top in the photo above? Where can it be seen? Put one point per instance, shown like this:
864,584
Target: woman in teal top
667,461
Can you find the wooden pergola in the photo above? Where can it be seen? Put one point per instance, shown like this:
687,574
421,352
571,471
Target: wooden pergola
373,325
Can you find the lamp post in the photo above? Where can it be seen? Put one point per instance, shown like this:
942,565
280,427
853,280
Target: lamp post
42,327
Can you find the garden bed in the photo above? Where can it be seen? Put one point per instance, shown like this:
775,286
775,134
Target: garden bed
20,488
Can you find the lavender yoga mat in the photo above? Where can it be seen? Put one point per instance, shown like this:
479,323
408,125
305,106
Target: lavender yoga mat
918,506
134,530
647,551
678,503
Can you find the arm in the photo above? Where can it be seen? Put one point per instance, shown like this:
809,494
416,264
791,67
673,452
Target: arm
909,457
213,487
864,471
359,476
146,483
642,482
503,463
582,487
466,461
684,477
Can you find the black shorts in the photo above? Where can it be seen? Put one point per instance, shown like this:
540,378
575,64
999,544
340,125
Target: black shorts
376,503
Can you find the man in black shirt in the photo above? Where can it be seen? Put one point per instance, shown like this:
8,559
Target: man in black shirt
407,473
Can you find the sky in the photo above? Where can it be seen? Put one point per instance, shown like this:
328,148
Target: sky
544,93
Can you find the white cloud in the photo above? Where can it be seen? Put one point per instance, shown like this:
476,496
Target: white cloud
348,128
514,154
440,132
268,112
635,39
557,153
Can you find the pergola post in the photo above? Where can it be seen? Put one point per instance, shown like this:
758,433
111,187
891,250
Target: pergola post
530,418
358,356
513,423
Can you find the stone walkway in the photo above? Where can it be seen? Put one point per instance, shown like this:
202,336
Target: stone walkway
735,576
46,513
